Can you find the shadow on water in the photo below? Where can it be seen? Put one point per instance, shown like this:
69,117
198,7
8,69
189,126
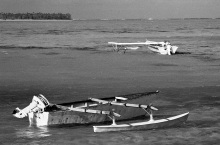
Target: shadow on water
178,53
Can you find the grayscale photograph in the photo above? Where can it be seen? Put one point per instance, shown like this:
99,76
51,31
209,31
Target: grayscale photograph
110,72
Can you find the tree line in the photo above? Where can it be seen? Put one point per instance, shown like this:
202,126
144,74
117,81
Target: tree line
35,16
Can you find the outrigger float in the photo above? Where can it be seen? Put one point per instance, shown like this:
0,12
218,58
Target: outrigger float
143,125
43,113
163,48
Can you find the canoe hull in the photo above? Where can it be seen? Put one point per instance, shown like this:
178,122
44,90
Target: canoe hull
64,117
161,50
67,117
147,125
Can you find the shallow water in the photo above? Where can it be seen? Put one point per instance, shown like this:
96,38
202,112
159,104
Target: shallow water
202,126
70,60
189,35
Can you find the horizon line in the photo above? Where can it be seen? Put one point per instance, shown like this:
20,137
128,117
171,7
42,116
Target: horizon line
148,19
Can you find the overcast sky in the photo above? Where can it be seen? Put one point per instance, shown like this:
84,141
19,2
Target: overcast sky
117,9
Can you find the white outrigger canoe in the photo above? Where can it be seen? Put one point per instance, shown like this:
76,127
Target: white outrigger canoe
42,113
163,48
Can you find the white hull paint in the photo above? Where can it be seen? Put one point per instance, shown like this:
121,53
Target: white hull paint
146,125
161,50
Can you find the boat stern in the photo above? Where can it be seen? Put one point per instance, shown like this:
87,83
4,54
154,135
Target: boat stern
174,49
38,119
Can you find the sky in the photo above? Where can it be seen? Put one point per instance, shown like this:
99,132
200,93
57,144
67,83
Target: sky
117,9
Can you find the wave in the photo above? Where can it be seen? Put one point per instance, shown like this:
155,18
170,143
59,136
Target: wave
204,46
25,47
51,53
55,32
182,28
212,28
162,31
86,48
125,30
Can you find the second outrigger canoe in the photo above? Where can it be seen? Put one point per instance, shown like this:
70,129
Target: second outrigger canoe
42,113
163,48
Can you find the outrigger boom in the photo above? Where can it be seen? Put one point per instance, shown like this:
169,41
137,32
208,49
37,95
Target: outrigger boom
122,104
135,43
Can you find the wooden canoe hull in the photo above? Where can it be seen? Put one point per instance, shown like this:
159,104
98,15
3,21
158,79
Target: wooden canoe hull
67,117
147,125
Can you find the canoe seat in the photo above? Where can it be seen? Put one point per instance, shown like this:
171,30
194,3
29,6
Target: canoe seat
120,98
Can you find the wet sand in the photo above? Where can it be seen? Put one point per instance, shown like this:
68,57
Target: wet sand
187,82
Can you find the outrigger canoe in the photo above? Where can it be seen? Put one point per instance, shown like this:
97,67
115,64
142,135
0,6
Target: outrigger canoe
42,113
163,48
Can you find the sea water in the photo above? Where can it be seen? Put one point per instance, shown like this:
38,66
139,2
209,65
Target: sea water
191,35
199,38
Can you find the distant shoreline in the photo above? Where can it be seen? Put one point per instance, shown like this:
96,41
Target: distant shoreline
35,16
16,20
29,20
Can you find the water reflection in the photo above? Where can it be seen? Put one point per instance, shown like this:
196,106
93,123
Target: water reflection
33,132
